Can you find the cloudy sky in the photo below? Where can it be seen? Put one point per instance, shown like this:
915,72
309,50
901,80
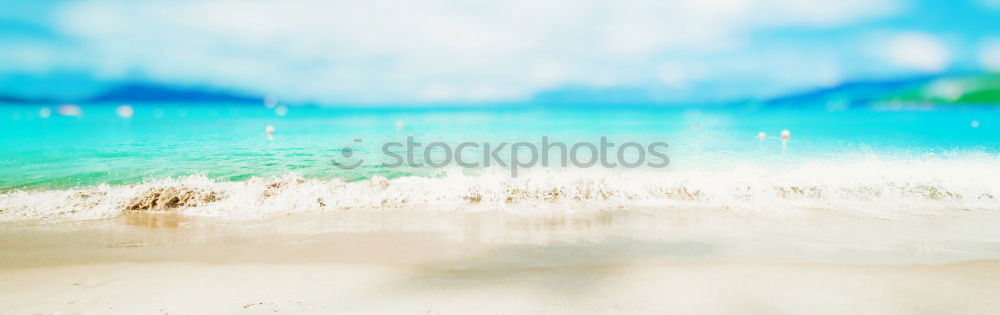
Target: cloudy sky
455,51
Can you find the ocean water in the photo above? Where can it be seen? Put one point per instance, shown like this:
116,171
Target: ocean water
95,165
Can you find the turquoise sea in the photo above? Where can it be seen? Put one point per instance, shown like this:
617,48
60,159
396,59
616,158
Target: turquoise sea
228,142
714,153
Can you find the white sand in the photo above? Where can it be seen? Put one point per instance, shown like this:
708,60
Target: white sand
182,288
677,262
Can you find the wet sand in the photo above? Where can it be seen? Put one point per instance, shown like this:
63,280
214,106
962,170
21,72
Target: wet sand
645,261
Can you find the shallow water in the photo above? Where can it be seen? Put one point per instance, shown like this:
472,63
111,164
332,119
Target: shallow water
227,142
859,162
499,239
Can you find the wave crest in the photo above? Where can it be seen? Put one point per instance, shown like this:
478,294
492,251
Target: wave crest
869,187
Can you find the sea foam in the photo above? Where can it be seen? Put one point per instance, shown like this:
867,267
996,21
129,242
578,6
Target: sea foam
868,187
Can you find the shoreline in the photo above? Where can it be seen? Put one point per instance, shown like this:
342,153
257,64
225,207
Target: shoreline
699,234
872,187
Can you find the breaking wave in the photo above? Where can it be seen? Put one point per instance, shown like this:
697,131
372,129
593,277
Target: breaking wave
864,187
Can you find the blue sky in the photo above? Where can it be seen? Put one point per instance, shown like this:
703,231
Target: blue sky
453,51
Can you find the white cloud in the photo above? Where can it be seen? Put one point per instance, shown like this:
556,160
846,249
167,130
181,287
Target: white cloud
917,51
673,75
990,4
439,50
989,54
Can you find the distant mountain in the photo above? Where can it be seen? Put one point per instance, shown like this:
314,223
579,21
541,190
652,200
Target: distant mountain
981,89
22,100
953,89
12,99
145,92
968,89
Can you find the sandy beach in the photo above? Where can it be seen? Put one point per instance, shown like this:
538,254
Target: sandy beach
500,157
642,261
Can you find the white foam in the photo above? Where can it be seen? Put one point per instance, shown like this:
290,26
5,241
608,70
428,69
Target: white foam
867,187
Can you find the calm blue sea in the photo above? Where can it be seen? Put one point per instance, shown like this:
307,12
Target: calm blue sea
228,142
